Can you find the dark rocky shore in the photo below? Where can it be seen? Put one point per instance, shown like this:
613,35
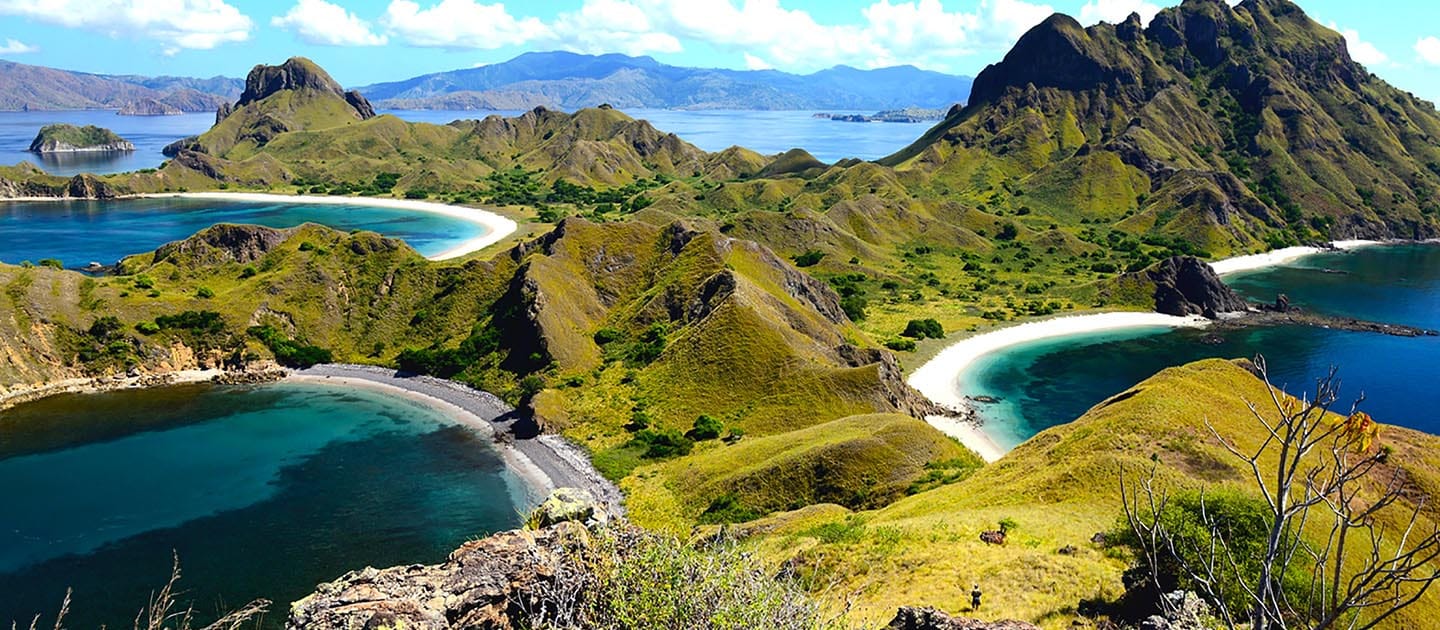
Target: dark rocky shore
566,465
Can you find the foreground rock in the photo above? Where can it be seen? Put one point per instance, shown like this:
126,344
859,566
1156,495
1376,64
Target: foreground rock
63,138
488,584
915,618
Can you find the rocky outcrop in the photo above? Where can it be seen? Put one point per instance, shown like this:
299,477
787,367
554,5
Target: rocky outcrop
148,107
63,138
1186,285
224,243
89,187
488,584
914,618
298,73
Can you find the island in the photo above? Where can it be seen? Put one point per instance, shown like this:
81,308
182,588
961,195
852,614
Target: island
149,107
907,115
63,138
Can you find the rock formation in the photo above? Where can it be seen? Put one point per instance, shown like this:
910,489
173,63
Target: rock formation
1185,285
915,618
298,73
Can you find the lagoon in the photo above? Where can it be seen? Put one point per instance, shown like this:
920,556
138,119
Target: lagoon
1049,382
262,491
78,232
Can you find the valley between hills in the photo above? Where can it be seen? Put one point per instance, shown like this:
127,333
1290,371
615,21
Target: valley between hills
728,335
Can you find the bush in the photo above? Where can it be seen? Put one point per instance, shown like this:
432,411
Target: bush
809,258
204,293
289,352
143,281
53,263
854,307
705,428
655,581
105,327
661,443
923,329
531,385
1008,232
248,272
901,345
203,322
147,328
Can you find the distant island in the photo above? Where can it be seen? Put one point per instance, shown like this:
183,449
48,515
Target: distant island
570,81
907,115
38,88
72,139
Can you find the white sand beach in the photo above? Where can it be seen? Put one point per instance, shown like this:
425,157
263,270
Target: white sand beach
496,227
1254,262
938,378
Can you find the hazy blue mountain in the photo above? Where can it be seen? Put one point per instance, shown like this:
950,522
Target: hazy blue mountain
571,81
25,86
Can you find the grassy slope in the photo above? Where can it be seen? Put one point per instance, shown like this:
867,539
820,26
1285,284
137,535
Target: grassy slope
1061,488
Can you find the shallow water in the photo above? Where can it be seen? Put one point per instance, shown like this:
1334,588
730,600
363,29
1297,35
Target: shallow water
262,491
78,232
1053,381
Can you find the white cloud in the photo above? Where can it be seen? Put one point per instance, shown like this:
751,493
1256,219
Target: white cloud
755,63
177,24
461,24
16,47
319,22
1429,50
766,32
602,26
1116,11
1360,50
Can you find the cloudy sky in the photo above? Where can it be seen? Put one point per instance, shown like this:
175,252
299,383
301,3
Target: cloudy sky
365,41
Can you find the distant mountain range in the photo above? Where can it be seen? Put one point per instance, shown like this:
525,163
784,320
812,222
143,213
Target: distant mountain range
26,87
572,81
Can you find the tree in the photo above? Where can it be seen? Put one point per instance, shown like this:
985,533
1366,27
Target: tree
1327,493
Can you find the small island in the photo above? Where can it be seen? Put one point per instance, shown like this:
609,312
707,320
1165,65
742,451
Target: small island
63,138
907,115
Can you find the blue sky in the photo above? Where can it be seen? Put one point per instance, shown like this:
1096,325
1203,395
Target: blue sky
366,41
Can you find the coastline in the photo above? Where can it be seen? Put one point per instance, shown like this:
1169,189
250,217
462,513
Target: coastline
496,227
937,378
542,463
19,394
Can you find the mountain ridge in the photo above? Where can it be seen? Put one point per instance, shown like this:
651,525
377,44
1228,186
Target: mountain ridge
572,81
26,87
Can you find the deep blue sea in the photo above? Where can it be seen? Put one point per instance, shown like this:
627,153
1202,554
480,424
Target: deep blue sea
80,232
768,132
262,491
1054,381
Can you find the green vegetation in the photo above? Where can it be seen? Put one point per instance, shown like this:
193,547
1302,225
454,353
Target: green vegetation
289,352
58,137
924,329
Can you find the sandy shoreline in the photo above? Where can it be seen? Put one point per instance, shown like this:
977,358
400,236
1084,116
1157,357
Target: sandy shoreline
542,463
17,394
938,378
496,227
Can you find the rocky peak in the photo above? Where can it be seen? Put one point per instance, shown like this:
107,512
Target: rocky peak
226,243
298,73
1056,53
1186,285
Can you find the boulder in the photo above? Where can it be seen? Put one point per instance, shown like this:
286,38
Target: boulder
566,505
916,618
1186,285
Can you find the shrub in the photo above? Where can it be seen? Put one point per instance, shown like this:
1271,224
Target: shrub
205,322
53,263
1008,232
901,345
147,328
248,272
854,307
287,351
531,385
727,508
705,428
809,259
204,293
105,327
661,443
923,329
143,281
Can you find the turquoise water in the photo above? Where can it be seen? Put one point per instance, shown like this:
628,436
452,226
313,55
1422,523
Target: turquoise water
262,491
1053,381
78,232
